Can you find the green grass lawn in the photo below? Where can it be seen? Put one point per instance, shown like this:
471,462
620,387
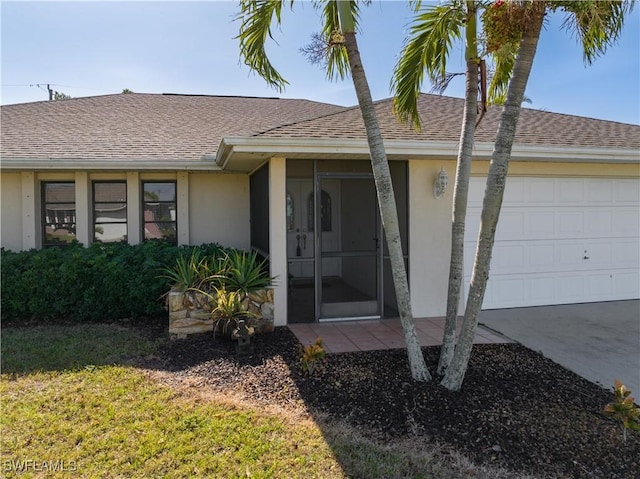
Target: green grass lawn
72,400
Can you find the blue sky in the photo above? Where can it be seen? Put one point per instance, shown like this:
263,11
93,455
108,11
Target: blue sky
96,48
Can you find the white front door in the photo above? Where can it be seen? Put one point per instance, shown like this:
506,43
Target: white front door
560,241
300,226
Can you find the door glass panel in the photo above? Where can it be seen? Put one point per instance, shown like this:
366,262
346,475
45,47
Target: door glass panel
326,219
290,210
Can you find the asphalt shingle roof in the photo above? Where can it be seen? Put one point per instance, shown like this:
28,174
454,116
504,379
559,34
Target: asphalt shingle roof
184,127
442,118
141,126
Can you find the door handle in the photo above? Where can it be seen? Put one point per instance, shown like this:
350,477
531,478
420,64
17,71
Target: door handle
585,255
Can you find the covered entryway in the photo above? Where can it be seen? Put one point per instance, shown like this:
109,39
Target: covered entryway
336,253
560,241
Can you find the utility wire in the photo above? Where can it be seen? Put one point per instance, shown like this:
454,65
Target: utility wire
40,84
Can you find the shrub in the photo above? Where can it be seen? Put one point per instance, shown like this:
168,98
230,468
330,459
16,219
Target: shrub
100,282
311,356
623,409
221,269
245,272
228,311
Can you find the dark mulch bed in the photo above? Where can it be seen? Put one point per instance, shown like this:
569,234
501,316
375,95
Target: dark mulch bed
516,410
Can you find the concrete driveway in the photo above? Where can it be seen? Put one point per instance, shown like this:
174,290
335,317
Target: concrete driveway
598,341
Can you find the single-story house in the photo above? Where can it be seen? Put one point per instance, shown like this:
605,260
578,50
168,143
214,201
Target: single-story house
292,179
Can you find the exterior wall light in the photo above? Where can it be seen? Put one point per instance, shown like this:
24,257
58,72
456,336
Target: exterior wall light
440,184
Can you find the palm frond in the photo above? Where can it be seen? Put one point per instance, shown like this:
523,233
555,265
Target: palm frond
256,17
336,60
440,84
597,24
503,62
427,49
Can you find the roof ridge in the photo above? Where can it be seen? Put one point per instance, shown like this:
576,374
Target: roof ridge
570,115
305,120
168,94
346,109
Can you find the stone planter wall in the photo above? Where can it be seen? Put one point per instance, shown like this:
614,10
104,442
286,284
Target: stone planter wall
190,312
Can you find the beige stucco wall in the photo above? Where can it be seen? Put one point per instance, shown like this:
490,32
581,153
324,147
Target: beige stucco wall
11,217
219,209
429,237
212,207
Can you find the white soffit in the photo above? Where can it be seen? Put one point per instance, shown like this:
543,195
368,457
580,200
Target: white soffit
108,164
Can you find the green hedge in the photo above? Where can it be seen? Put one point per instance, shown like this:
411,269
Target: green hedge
101,282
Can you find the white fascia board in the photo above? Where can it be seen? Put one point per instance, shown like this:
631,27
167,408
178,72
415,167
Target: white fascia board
106,164
417,149
575,154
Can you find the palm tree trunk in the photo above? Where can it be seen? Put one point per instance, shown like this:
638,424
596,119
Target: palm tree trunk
461,190
493,196
387,203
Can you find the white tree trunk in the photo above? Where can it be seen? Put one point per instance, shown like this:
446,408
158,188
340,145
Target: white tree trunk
460,195
493,197
388,211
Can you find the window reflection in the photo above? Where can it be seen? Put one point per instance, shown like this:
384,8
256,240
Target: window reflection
59,213
160,212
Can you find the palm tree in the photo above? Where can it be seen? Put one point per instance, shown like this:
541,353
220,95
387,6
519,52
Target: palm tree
427,49
598,24
343,57
431,37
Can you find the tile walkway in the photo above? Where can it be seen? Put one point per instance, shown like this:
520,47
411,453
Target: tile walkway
369,335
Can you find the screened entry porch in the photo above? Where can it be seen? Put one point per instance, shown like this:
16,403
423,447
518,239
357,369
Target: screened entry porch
337,260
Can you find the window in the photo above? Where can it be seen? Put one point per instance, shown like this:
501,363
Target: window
159,207
58,213
110,211
325,211
290,211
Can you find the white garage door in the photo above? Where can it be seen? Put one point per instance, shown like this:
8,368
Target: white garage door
560,241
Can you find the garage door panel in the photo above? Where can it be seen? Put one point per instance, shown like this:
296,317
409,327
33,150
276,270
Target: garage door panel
512,228
539,192
570,223
599,286
571,240
569,288
541,290
598,222
599,191
627,191
597,255
626,285
514,193
508,258
508,291
541,223
476,193
472,224
570,255
626,223
570,191
626,254
541,256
